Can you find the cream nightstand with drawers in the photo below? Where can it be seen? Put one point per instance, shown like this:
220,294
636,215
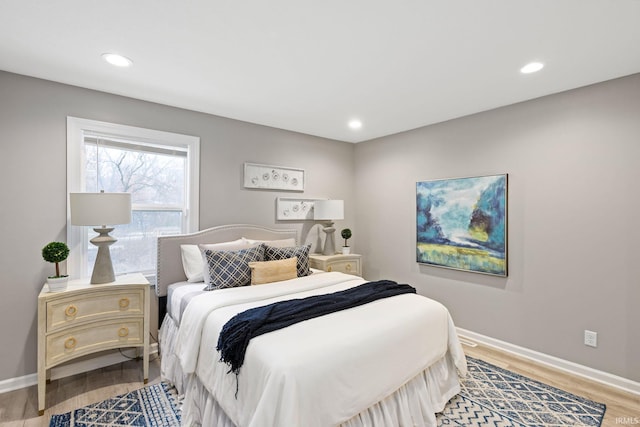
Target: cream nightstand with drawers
350,264
86,318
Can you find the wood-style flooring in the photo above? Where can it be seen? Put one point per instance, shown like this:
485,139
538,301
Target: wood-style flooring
20,407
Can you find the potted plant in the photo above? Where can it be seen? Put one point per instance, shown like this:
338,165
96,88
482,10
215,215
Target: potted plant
346,235
56,252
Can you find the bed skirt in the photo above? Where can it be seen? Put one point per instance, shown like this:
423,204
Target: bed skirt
170,368
413,404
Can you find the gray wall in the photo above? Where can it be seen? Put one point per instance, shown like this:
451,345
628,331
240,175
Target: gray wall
33,184
573,165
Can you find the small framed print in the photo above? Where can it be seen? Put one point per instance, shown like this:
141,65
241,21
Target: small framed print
294,209
273,177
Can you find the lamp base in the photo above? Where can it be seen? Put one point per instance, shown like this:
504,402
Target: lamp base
329,241
103,268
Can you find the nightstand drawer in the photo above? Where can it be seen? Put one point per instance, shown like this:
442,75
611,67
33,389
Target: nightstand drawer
349,264
349,267
77,309
86,318
90,337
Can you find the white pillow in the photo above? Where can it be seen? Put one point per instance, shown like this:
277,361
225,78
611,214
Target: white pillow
282,243
192,261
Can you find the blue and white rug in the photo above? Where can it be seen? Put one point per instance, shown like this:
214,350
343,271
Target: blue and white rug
155,405
490,396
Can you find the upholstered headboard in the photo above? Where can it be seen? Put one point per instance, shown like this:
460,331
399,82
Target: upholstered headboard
169,268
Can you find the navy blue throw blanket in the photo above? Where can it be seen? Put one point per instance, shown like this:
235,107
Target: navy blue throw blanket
236,333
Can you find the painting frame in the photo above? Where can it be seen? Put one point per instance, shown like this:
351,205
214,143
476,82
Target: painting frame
269,177
462,224
295,208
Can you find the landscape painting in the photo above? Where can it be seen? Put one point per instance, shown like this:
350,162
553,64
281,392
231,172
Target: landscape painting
462,223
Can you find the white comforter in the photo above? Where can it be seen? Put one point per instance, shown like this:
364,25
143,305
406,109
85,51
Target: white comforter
319,372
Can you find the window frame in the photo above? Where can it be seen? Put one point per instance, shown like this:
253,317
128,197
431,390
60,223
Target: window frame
76,180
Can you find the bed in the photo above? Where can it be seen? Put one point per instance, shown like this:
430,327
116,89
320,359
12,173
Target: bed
394,361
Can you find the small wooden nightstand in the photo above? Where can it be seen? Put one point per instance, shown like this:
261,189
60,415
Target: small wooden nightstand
350,264
86,318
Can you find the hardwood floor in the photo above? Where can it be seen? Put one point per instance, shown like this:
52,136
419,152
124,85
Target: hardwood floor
19,407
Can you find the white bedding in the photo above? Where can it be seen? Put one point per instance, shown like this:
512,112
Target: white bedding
320,372
179,295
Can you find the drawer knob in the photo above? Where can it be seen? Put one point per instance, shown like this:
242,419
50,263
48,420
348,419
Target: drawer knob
329,268
70,343
123,332
71,310
348,267
124,303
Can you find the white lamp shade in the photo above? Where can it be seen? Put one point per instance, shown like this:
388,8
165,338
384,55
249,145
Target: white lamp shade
328,210
100,208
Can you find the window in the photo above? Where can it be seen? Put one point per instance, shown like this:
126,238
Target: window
159,169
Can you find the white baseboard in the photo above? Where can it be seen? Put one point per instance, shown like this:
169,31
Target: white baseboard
606,378
75,367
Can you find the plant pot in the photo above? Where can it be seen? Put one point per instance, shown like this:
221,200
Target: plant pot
346,250
57,284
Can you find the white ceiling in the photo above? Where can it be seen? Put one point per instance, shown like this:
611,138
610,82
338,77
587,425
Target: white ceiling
311,66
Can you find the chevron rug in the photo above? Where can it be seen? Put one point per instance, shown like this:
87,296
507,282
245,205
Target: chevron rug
154,405
490,396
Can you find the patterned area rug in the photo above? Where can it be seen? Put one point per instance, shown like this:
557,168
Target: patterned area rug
491,396
155,405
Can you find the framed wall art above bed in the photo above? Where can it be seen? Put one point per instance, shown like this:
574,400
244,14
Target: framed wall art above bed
295,208
461,223
273,177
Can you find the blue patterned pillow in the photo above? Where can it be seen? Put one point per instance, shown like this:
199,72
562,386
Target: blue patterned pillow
272,253
229,269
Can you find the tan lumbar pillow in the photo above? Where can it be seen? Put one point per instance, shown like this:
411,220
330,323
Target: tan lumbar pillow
273,271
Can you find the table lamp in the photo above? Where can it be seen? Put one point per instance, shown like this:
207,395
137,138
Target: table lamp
101,209
328,210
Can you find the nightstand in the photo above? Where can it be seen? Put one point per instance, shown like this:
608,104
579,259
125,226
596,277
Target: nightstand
86,318
350,264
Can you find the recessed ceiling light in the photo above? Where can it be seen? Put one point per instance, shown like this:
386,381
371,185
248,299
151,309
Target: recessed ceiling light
355,124
117,60
532,67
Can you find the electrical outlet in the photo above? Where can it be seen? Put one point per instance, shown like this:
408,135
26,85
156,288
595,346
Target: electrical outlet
590,338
